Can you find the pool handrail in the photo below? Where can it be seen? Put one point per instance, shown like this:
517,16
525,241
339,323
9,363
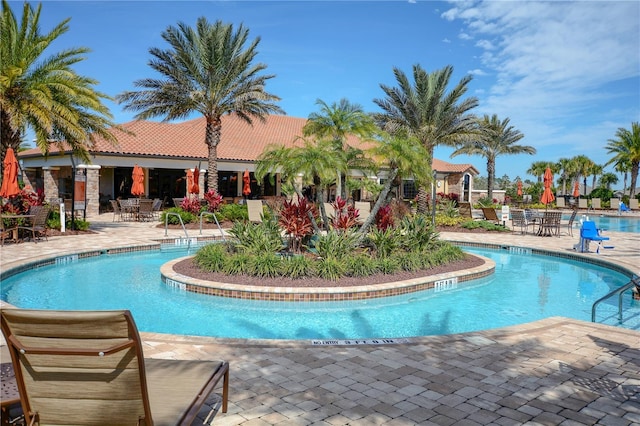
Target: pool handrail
166,223
635,282
214,218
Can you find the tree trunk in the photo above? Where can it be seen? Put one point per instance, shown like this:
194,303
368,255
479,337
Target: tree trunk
491,176
212,139
378,204
634,178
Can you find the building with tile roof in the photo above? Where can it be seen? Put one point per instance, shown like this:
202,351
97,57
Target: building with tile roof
166,151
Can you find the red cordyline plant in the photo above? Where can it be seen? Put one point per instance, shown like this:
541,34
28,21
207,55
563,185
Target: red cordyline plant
294,219
213,200
22,201
191,205
384,218
346,216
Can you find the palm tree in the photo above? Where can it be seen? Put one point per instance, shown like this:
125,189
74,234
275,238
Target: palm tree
314,163
622,166
336,122
495,138
565,166
583,166
626,149
425,111
596,170
608,179
44,93
401,156
537,169
207,70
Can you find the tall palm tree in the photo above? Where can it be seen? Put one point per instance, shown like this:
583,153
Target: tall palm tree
622,166
336,122
494,138
44,93
313,162
424,110
596,170
207,70
626,148
565,166
583,166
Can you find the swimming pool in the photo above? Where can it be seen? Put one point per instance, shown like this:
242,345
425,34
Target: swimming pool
611,223
524,288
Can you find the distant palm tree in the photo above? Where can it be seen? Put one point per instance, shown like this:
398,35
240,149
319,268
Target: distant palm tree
538,168
43,92
626,149
207,70
608,179
596,170
336,122
583,167
494,138
565,166
622,166
424,110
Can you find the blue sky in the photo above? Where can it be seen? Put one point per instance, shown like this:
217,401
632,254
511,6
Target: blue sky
567,74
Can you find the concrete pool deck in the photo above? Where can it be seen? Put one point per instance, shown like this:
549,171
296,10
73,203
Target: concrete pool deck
549,372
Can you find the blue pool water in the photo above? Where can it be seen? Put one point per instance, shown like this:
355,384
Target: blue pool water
524,288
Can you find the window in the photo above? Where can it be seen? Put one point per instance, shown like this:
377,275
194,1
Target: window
409,189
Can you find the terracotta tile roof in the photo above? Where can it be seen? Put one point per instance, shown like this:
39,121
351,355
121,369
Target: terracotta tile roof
239,140
443,166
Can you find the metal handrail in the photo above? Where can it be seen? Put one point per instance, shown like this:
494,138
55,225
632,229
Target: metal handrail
214,218
166,223
620,291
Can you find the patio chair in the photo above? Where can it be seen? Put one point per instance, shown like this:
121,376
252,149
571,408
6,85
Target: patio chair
157,208
560,204
518,219
254,208
38,223
490,214
596,204
633,204
583,203
87,368
589,232
615,204
572,219
117,212
8,231
145,210
550,223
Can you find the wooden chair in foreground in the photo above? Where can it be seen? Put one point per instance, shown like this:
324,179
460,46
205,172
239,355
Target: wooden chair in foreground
87,368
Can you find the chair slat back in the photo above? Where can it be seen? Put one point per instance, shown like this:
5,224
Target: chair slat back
61,376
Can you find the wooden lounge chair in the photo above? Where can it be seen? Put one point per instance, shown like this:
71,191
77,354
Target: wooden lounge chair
87,368
254,207
490,214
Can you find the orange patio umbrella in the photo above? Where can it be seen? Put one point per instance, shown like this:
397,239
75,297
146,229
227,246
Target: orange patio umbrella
10,176
547,196
246,183
137,189
194,187
519,188
576,189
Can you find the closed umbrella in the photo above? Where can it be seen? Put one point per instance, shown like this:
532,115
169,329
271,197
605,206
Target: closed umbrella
547,196
519,188
194,187
246,183
10,175
137,188
576,189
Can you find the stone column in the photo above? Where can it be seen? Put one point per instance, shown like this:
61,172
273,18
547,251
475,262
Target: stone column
93,191
50,176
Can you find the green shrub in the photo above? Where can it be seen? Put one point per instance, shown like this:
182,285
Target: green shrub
233,212
266,265
296,267
257,238
442,220
336,244
447,208
360,265
330,268
211,257
172,219
409,261
238,264
388,265
385,241
489,226
418,233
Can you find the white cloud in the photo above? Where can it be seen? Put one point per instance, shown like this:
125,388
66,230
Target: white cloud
477,71
446,40
464,36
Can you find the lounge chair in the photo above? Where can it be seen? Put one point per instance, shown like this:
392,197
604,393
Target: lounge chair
38,223
254,208
633,204
583,203
596,203
589,232
364,210
490,214
87,368
615,204
560,204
